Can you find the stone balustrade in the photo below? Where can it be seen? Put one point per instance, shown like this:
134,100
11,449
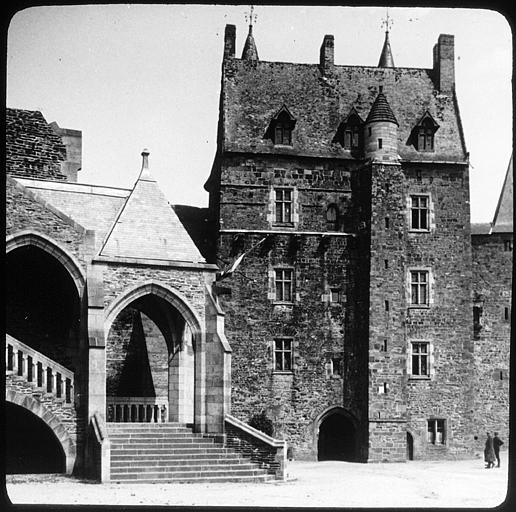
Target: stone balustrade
270,453
47,376
137,409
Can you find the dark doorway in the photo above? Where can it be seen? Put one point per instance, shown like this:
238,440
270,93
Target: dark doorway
31,446
337,439
410,446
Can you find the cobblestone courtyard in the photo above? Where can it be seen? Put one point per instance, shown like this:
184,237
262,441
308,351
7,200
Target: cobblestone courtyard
310,484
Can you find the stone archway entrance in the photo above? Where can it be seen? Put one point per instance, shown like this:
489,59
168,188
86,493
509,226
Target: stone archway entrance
150,363
337,439
32,446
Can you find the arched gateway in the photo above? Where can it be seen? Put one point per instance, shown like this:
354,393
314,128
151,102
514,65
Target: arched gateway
152,334
336,436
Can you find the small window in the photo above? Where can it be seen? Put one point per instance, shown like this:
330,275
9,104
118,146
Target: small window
283,134
477,320
283,354
336,366
283,205
420,362
419,212
352,137
424,133
419,288
335,295
387,222
506,313
507,245
380,143
283,285
281,127
332,218
425,139
436,433
387,307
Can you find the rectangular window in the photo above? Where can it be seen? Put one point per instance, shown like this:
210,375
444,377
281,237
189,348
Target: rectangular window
420,359
419,210
283,284
436,433
507,245
283,205
419,289
283,354
380,143
425,139
335,295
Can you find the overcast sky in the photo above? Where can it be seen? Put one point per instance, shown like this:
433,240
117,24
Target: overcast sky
136,76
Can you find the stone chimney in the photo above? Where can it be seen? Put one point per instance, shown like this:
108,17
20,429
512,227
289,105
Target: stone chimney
72,139
327,54
444,64
229,41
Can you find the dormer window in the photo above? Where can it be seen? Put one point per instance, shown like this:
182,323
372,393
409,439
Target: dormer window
283,134
424,133
349,133
281,127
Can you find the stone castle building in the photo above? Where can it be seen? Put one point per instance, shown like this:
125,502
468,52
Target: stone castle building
334,294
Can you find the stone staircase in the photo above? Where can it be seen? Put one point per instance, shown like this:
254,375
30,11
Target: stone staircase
171,452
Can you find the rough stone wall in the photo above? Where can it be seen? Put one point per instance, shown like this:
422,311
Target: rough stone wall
318,328
492,285
33,150
447,324
23,212
387,391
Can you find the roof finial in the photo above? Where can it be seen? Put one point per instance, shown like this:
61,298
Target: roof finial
145,173
387,21
251,17
386,60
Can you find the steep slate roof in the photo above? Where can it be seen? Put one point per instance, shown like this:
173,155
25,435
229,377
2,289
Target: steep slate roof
148,228
32,149
386,60
253,92
381,111
503,218
92,206
250,52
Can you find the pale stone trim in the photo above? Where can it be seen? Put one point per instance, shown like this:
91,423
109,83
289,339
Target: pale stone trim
153,287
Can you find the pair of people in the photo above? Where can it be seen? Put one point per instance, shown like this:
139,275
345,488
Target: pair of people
492,450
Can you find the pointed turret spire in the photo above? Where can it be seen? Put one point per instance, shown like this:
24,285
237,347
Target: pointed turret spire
250,52
381,110
386,60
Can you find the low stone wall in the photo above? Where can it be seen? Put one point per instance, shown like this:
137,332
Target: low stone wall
260,448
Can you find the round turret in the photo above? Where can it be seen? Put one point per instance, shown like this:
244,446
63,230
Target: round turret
381,131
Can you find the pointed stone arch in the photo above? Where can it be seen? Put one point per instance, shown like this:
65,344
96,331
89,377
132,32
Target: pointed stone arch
338,411
50,419
52,247
154,287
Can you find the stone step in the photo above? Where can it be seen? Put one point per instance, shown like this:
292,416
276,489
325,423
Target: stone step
201,479
186,457
142,426
172,468
151,436
198,461
188,475
168,444
164,451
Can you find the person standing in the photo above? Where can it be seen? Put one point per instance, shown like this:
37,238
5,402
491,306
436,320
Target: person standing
497,442
489,453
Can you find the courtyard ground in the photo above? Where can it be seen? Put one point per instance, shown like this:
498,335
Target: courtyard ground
464,483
